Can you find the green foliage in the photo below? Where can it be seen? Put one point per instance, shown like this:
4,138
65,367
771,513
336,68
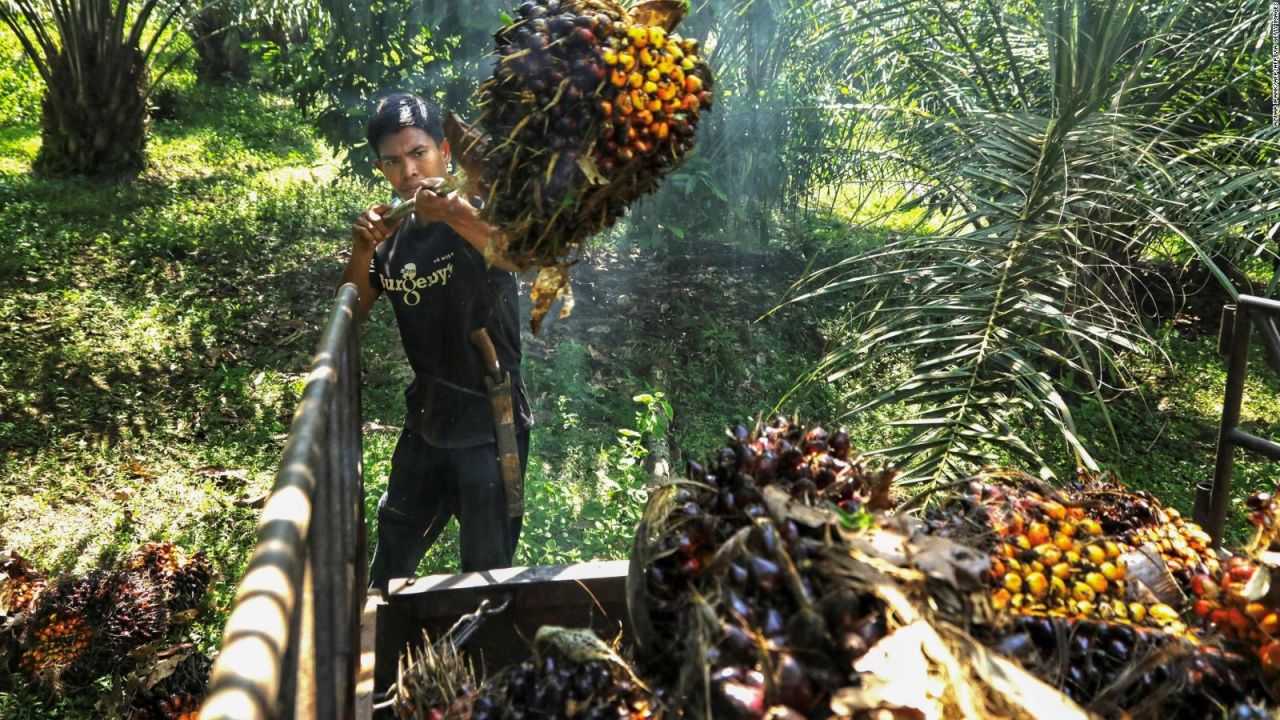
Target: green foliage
1023,299
20,85
355,53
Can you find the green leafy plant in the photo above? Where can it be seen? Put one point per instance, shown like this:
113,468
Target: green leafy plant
1071,137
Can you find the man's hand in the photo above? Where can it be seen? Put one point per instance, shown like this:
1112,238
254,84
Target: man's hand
430,206
366,233
370,229
458,213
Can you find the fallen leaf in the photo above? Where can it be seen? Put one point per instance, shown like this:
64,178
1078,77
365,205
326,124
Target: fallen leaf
217,473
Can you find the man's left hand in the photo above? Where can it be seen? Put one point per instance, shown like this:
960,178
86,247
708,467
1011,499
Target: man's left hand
430,206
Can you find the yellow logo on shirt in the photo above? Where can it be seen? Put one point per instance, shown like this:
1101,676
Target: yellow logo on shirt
410,282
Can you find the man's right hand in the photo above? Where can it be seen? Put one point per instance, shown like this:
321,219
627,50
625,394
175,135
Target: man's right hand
370,229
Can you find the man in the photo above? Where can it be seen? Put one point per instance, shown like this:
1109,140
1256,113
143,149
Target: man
432,269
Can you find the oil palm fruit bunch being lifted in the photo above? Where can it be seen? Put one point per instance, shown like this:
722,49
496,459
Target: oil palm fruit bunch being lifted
590,105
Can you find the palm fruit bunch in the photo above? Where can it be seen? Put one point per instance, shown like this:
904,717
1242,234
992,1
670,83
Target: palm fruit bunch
1264,515
434,681
20,584
573,674
720,583
1118,670
1231,603
86,626
590,105
184,579
179,695
1065,555
1141,521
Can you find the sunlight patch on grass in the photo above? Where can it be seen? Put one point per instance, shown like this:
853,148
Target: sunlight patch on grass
18,147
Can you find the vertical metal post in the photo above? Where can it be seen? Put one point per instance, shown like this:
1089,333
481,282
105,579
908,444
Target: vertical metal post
1226,324
1237,365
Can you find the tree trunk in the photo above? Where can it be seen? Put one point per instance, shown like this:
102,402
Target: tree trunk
219,47
94,114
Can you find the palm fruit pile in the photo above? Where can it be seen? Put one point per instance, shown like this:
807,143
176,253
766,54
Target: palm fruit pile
590,105
83,627
178,695
1238,602
731,596
68,633
20,584
184,579
1121,670
1070,555
1093,584
573,674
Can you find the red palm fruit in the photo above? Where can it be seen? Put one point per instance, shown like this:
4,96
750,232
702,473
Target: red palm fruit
1202,607
1204,586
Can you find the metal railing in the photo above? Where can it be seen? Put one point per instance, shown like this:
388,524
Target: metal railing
1233,339
291,648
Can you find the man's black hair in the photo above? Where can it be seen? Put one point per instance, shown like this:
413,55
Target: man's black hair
403,110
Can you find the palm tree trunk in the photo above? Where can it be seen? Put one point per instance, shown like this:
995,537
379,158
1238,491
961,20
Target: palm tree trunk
94,112
218,46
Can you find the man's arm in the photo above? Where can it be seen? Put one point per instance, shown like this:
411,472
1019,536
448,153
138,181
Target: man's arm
366,233
455,211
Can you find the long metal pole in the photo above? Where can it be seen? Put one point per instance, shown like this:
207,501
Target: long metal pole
247,676
1237,367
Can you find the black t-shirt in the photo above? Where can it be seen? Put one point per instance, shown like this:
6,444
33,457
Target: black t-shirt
441,291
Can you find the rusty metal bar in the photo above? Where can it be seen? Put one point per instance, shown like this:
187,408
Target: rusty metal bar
289,649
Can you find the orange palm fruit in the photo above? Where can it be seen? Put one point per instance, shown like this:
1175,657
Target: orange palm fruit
653,75
692,83
1057,586
1137,611
618,78
1063,541
1270,623
1096,581
1036,584
1037,533
1162,613
1013,582
1049,553
635,80
1081,591
1000,599
1095,554
1113,549
1110,570
1062,570
1089,526
1054,509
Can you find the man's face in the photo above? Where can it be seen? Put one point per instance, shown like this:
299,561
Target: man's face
408,156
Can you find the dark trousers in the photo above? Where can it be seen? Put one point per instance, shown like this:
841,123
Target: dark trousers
427,486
